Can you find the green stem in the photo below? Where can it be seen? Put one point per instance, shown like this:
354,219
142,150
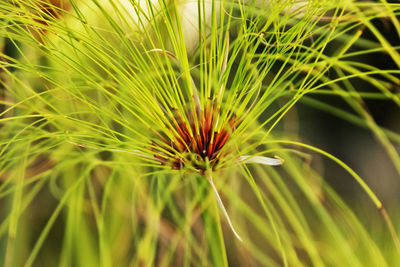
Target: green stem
214,237
221,205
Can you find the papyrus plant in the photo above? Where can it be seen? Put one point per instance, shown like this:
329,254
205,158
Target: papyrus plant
121,132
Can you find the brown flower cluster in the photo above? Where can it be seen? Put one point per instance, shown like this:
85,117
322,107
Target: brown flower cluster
197,140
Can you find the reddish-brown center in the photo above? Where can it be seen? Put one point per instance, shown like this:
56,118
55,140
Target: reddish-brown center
195,142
